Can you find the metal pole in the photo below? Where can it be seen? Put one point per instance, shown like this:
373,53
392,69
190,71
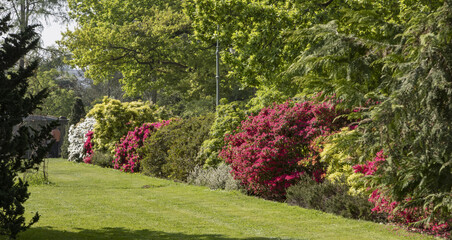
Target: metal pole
217,77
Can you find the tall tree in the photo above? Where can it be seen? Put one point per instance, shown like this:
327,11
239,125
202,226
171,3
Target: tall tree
256,34
151,44
413,122
16,140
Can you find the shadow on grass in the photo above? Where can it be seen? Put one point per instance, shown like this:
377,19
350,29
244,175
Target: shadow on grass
122,233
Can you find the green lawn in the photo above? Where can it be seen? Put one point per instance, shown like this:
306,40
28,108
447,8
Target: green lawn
89,202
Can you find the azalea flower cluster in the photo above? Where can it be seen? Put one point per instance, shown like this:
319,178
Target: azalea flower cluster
88,146
270,151
127,158
407,216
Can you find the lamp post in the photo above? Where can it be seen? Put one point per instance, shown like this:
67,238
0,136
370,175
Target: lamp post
217,77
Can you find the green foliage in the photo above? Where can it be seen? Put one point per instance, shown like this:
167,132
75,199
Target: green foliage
227,118
399,54
339,163
60,100
77,111
255,32
149,42
114,119
102,159
38,176
265,97
329,197
171,151
15,138
413,124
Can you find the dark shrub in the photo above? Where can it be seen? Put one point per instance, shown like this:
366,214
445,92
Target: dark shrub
329,197
171,152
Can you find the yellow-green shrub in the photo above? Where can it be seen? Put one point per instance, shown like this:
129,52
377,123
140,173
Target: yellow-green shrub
339,165
115,118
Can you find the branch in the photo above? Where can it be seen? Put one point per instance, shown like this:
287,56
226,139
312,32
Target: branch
324,5
138,60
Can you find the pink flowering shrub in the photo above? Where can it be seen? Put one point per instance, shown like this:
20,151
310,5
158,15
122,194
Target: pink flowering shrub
126,157
371,166
88,147
407,216
270,151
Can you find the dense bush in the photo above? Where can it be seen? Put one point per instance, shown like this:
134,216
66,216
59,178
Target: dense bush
339,165
214,177
114,119
329,197
171,152
227,118
102,159
127,158
263,98
77,138
272,149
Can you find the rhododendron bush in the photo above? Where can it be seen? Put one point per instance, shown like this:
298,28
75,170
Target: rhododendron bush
270,151
127,158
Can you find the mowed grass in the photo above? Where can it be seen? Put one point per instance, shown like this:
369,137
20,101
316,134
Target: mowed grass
89,202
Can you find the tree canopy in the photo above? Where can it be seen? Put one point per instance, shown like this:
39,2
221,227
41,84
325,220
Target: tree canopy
149,42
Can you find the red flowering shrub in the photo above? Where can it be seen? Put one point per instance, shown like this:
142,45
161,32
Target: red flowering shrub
126,157
407,216
88,147
270,151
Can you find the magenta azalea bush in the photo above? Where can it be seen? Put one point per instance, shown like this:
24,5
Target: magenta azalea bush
126,157
405,216
270,151
88,147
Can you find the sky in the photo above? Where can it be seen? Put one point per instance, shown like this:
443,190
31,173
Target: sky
52,32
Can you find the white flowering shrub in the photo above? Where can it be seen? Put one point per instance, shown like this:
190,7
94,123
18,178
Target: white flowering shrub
77,139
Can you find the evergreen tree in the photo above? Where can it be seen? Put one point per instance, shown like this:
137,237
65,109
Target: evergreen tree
78,111
17,140
413,124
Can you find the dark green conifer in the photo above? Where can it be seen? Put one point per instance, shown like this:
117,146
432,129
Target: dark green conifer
78,111
21,147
